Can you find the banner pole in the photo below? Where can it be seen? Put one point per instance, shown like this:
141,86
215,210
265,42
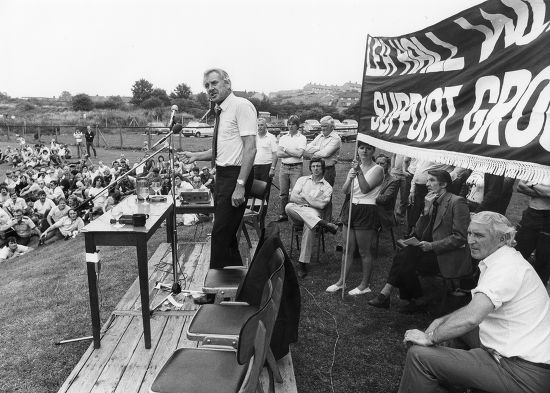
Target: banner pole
354,156
346,252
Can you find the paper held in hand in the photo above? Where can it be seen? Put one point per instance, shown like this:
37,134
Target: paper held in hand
413,241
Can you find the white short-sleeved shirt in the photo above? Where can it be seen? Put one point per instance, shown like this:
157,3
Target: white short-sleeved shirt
296,141
42,208
237,119
265,147
520,323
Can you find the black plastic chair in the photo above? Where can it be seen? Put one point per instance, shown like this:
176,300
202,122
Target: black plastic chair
220,323
215,369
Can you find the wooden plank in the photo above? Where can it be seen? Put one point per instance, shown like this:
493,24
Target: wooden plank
166,346
91,367
287,372
132,295
203,264
138,363
168,313
114,367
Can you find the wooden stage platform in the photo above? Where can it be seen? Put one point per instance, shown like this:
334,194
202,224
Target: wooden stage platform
122,364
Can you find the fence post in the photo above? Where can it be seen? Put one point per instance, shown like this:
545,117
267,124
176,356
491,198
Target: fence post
120,131
148,138
8,132
180,140
39,134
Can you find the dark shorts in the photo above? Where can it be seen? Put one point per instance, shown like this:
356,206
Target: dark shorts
362,217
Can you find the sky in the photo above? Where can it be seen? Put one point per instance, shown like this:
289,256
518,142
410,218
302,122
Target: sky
102,47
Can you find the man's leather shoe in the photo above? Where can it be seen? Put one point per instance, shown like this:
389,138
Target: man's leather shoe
329,226
380,301
302,269
282,218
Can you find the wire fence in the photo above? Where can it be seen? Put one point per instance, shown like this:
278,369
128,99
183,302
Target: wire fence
122,138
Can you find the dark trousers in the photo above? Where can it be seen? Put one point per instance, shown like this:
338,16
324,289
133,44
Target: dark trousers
534,235
415,210
408,263
88,145
225,246
404,189
330,175
261,172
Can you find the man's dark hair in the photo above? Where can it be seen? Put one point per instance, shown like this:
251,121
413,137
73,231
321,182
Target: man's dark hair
318,160
441,176
12,239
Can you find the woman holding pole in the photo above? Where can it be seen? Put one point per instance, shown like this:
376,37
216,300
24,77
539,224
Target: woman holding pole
363,181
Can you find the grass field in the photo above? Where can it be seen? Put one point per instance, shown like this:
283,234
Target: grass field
44,298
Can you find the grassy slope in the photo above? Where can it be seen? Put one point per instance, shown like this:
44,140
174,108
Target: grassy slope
43,299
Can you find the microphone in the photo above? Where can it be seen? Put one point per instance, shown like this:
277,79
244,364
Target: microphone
174,109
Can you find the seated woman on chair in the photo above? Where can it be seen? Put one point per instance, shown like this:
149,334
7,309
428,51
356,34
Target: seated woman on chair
441,232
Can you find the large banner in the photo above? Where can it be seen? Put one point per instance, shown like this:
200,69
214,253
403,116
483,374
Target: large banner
471,91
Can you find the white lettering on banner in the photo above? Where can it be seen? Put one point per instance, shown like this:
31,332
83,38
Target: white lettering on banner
418,111
387,56
510,102
513,33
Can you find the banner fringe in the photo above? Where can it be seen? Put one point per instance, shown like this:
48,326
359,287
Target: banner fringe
526,171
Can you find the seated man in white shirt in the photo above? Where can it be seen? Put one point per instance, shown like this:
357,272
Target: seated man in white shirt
308,198
506,324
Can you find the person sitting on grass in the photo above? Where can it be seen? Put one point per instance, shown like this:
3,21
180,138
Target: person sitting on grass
42,207
14,203
505,327
66,228
57,212
24,228
12,250
100,197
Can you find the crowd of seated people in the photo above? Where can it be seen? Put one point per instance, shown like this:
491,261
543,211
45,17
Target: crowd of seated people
45,197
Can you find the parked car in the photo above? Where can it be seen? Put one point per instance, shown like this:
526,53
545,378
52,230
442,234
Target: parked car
311,125
158,127
351,123
338,124
197,129
347,130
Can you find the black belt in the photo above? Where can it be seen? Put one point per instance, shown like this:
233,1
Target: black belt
296,164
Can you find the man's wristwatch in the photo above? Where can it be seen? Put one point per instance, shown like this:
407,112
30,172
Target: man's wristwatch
240,182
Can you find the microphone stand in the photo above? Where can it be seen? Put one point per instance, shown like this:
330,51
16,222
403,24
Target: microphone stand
176,287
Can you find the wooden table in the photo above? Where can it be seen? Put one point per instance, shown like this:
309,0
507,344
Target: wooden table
101,233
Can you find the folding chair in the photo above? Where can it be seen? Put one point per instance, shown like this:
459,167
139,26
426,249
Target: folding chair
224,283
220,324
216,369
253,217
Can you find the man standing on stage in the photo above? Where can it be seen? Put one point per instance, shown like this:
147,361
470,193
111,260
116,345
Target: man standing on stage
233,151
